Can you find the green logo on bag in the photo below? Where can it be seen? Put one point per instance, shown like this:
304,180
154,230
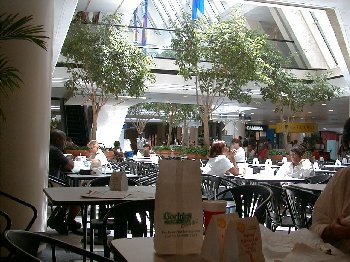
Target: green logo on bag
183,219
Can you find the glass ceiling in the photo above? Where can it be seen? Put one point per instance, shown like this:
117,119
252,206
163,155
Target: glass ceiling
295,32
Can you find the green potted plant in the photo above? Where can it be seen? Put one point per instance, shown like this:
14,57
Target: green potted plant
277,154
195,152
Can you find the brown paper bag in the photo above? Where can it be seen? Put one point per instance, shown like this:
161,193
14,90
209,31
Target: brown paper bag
213,245
243,241
178,214
118,181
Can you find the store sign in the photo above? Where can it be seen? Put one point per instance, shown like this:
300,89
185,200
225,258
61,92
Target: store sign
296,127
254,128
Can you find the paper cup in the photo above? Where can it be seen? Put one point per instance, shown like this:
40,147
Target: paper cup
212,207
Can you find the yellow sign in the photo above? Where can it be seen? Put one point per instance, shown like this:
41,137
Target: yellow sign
296,127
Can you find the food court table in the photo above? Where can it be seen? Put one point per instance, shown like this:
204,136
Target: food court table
72,196
74,178
301,245
315,188
267,178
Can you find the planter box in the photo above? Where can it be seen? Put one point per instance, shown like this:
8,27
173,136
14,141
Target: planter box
77,152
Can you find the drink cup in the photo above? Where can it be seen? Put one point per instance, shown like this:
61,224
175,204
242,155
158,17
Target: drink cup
212,207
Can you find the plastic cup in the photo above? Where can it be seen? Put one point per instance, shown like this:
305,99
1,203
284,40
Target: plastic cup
211,208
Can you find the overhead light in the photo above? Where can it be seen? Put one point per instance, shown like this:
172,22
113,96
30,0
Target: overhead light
324,104
252,113
309,112
330,110
55,107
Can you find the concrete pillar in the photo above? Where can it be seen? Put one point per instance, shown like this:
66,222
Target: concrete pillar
235,128
24,137
110,123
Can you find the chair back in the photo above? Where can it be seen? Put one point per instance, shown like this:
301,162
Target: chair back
300,204
100,181
273,206
319,179
136,217
24,203
250,200
24,246
210,186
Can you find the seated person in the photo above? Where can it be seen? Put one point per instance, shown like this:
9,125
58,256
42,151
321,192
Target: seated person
96,153
221,160
333,205
147,150
298,167
238,150
263,152
57,163
118,152
250,152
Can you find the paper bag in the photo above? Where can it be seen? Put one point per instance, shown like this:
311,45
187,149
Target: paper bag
213,245
178,216
243,241
118,181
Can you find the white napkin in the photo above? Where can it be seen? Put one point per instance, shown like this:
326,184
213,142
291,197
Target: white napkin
337,162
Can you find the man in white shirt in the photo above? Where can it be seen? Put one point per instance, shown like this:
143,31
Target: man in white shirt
298,167
238,150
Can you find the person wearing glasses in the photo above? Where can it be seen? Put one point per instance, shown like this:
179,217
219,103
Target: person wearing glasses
299,167
331,214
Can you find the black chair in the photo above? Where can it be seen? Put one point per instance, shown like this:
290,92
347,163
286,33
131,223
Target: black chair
300,204
319,179
277,209
24,246
210,186
250,200
24,203
135,217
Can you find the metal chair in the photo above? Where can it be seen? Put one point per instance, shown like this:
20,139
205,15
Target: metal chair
24,246
319,179
276,209
135,217
250,200
210,186
300,204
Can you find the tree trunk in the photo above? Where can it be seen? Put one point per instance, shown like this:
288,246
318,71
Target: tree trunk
205,119
169,133
94,118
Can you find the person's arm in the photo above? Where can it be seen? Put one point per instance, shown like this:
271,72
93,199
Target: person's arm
233,170
69,165
335,232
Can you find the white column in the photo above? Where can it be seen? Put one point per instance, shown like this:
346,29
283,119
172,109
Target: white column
24,137
235,128
110,123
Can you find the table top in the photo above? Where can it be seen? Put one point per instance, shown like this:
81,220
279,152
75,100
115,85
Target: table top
276,246
270,178
310,187
334,166
90,177
73,195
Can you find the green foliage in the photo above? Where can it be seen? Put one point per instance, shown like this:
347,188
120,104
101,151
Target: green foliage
200,150
13,27
222,56
141,114
103,64
77,148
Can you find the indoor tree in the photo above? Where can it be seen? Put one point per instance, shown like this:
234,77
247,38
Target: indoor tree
290,94
102,63
140,115
13,27
221,57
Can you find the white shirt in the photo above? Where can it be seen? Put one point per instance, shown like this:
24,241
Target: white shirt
102,157
333,203
218,166
302,170
240,155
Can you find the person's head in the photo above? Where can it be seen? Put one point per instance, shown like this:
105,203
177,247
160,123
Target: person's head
346,135
217,148
249,147
296,153
93,146
236,143
57,138
116,144
146,149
